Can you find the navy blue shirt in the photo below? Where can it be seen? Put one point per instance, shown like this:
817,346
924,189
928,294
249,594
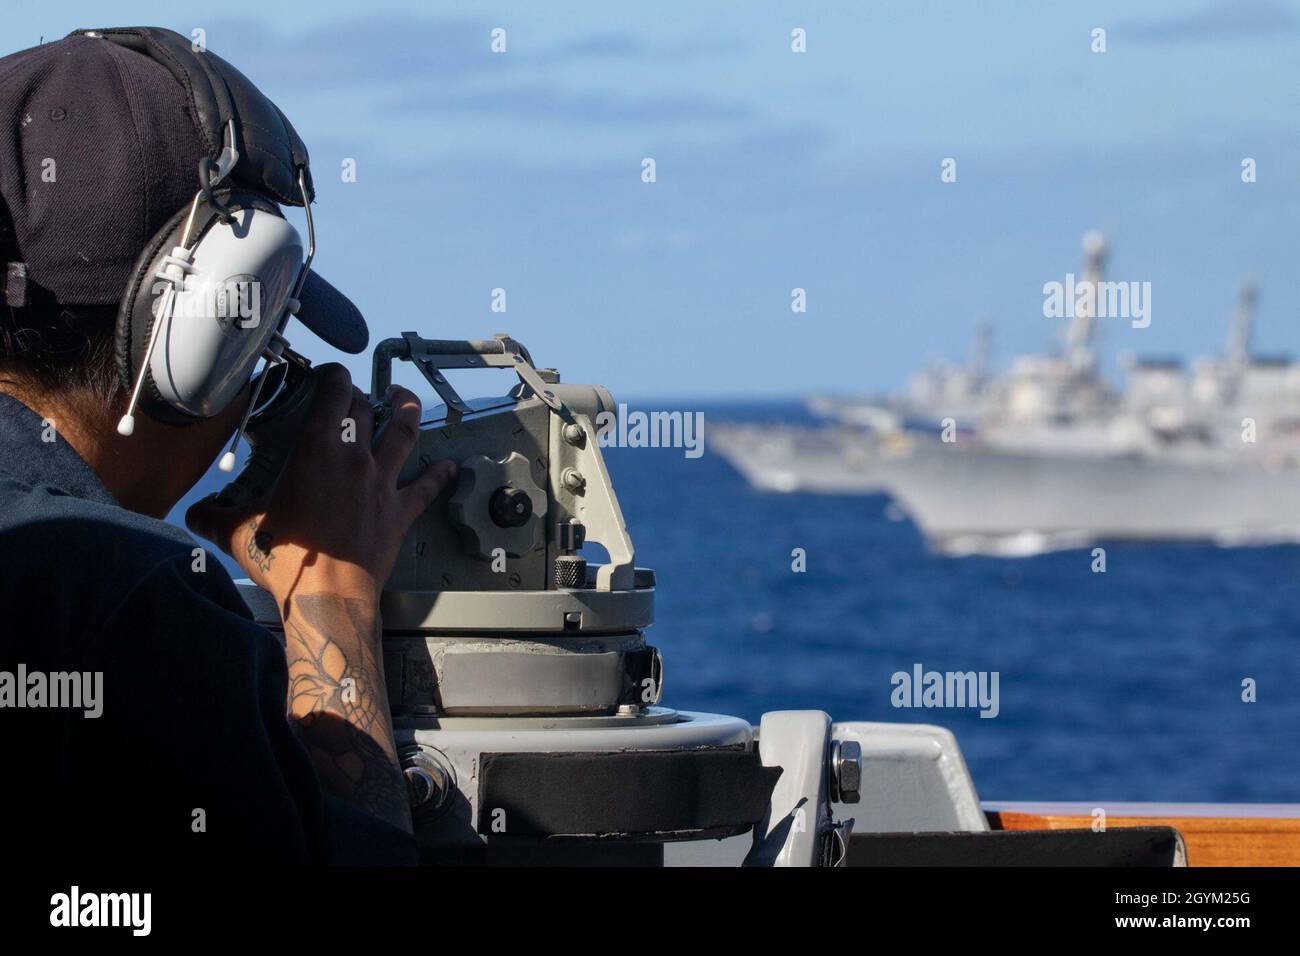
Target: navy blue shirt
192,757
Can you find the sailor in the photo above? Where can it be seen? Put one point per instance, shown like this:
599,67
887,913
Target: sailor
213,741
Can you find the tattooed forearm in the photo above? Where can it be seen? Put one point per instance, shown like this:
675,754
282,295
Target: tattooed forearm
337,697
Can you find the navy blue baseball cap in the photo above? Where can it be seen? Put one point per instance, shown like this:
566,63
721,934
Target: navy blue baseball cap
99,148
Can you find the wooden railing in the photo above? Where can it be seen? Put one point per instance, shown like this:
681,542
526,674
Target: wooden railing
1216,834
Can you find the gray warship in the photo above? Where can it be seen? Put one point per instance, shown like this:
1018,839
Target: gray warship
1050,455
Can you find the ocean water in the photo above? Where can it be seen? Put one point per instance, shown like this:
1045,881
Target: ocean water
1125,685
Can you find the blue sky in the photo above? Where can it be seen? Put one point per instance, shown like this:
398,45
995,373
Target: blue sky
775,170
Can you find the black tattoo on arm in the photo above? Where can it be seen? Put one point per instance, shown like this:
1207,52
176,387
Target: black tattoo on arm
337,697
259,546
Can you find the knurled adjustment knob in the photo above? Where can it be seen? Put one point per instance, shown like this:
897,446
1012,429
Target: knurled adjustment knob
570,571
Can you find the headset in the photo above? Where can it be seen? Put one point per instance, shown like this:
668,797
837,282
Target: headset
212,291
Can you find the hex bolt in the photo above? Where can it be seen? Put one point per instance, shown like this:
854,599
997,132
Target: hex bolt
846,771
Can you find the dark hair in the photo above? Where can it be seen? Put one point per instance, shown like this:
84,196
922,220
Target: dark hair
52,346
60,348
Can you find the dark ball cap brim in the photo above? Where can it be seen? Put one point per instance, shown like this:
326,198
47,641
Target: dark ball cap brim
332,316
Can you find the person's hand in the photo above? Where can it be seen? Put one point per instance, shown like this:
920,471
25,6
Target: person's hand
336,517
323,543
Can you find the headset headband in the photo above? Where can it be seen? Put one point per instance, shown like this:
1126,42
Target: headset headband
271,154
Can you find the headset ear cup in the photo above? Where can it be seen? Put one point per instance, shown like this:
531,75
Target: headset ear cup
135,318
136,315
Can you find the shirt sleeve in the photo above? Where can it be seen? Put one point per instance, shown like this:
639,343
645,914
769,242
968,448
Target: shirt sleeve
194,715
